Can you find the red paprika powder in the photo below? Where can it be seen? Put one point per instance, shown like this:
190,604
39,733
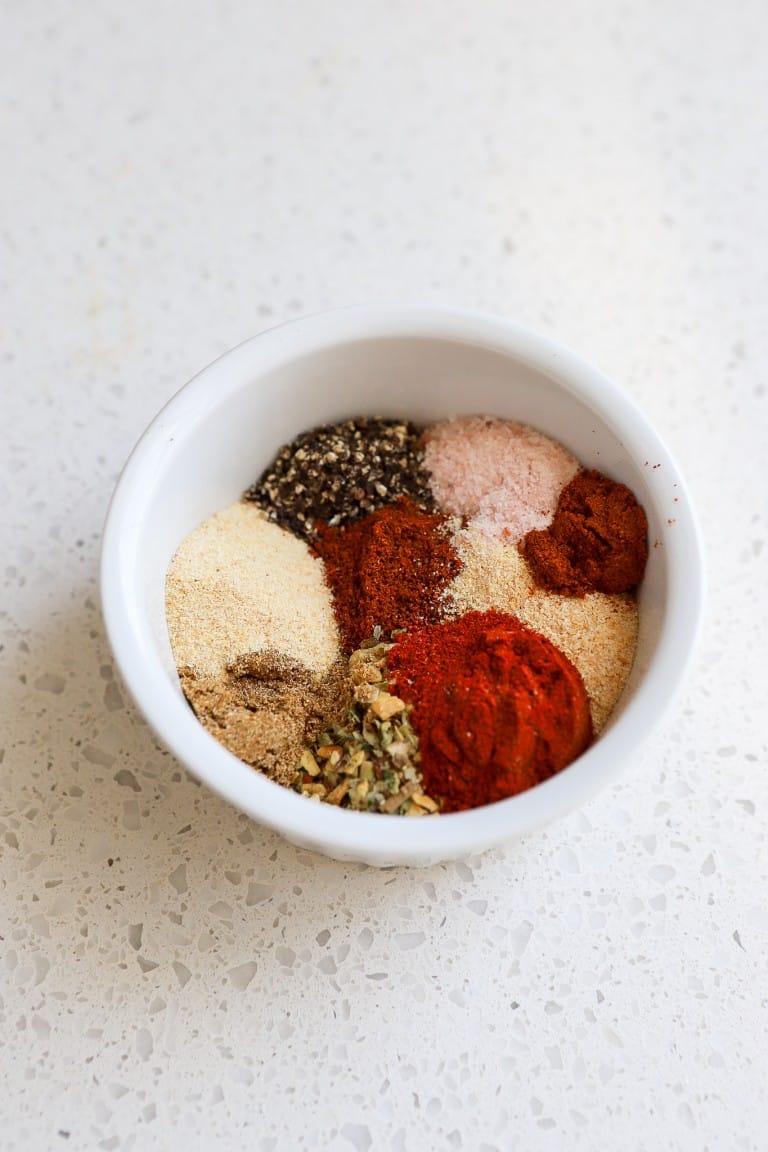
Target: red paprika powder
497,707
597,541
388,569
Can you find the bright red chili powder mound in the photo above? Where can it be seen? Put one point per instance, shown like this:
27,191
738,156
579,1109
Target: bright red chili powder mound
388,569
497,707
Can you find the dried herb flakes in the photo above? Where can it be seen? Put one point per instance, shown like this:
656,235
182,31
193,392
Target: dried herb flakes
371,763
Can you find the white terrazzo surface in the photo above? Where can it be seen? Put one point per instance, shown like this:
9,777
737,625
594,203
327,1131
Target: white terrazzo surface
178,176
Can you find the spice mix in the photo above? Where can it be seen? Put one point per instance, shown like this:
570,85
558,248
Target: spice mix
411,621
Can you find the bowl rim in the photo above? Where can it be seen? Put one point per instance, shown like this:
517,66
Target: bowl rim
359,835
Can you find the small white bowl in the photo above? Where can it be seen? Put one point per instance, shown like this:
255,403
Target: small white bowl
217,434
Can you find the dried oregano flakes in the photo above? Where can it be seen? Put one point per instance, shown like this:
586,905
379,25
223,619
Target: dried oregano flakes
339,472
372,761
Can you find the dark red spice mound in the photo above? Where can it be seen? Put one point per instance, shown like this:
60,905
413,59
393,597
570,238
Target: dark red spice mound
597,541
497,707
388,569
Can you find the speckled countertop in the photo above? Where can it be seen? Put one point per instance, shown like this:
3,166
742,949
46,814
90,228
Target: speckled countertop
178,176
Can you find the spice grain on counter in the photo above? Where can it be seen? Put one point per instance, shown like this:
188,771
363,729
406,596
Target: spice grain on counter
405,621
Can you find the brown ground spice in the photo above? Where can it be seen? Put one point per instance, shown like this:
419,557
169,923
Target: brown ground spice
266,707
597,541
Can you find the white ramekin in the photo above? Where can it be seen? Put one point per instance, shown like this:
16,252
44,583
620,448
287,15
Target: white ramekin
217,434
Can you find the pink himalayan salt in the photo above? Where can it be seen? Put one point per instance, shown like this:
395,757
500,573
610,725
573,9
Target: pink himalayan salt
504,477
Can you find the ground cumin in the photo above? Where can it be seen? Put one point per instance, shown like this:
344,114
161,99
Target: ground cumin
265,708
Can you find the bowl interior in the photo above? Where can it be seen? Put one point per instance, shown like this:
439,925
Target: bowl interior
218,433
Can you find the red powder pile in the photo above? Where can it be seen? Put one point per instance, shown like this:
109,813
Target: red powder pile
388,569
497,707
597,541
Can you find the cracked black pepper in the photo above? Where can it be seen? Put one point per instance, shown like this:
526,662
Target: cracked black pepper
340,472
